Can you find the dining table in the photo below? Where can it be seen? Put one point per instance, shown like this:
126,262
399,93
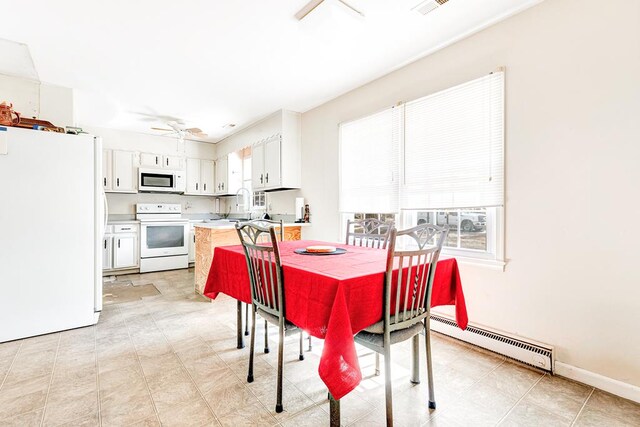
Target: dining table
331,297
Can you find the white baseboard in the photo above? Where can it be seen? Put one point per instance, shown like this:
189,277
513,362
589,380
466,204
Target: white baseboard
619,388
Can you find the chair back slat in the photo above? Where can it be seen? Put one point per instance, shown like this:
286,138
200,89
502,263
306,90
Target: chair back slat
410,270
369,232
260,243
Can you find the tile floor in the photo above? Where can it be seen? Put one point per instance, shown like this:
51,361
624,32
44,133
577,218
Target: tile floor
171,359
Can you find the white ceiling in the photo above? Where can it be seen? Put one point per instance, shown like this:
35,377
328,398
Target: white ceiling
217,62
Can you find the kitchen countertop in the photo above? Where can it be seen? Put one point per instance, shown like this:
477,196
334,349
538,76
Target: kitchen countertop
124,221
230,225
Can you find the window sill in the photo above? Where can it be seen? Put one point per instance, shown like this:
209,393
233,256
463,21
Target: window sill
492,264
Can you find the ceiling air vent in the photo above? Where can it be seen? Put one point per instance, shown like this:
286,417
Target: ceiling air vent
428,6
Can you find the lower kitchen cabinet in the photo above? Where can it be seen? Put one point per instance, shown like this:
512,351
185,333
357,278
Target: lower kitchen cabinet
120,247
125,254
107,250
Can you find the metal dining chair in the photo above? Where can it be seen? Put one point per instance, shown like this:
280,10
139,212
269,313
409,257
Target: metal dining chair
369,232
280,234
260,245
406,302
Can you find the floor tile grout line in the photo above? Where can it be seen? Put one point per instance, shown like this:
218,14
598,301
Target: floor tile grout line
155,409
582,407
15,356
501,420
184,368
53,371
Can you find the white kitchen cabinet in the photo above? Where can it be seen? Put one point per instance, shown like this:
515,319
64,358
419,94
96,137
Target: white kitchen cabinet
257,166
207,177
275,158
266,159
123,179
222,169
120,248
229,174
150,160
107,169
272,155
107,251
125,253
200,177
173,162
193,176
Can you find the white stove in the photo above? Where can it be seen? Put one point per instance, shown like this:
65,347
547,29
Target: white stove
164,237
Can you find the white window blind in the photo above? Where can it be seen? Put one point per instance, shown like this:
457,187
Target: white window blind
453,147
369,163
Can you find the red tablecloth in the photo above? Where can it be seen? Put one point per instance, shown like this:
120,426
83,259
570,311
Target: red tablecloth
331,297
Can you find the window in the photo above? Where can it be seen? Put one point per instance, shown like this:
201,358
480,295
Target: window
437,159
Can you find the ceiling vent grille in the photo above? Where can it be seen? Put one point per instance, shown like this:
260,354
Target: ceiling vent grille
428,6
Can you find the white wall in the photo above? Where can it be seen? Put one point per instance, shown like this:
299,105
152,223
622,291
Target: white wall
572,175
40,100
133,141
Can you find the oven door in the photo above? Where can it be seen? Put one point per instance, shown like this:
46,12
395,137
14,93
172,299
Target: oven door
158,239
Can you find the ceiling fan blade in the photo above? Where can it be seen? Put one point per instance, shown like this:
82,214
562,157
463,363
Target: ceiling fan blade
164,130
308,8
353,9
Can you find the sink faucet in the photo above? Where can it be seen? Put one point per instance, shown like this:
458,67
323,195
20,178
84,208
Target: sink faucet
247,206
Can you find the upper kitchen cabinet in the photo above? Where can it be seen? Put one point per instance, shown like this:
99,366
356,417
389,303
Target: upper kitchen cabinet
275,158
200,177
150,160
119,171
228,174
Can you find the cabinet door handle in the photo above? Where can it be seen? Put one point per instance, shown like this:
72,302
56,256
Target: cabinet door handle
156,160
105,244
267,177
205,186
104,180
118,242
196,185
223,185
167,161
261,179
118,182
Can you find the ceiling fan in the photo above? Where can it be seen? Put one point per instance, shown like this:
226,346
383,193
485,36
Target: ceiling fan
178,128
309,7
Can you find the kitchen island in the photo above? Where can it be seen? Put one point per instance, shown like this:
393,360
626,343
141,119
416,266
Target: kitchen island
211,234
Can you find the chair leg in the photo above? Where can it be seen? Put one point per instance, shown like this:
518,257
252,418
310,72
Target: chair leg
415,368
246,321
334,412
239,325
387,385
377,364
427,339
252,346
301,356
279,407
266,336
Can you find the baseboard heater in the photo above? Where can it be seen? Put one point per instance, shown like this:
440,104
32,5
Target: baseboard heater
535,355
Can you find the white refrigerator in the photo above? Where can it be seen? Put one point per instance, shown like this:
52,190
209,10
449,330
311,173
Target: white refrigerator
51,225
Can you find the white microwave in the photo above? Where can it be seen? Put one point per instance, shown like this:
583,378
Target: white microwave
161,181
